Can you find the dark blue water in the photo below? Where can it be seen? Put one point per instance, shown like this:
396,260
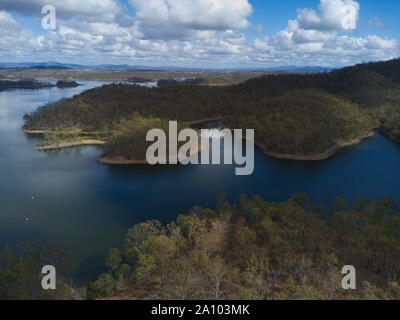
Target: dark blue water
88,206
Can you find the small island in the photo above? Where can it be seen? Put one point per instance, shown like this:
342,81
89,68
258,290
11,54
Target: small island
139,80
67,84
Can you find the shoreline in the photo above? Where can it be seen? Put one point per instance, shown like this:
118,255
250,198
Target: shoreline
314,157
124,161
59,132
70,144
319,156
120,161
389,135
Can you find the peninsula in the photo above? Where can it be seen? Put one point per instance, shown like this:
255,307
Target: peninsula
23,84
295,116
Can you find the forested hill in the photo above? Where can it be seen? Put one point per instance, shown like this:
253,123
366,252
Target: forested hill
295,114
259,250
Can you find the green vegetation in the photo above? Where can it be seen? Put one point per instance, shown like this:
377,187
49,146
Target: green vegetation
67,84
259,250
20,272
129,141
55,139
23,84
304,122
251,249
294,114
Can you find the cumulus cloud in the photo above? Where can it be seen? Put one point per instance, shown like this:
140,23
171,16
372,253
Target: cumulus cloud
185,32
7,23
375,42
16,42
318,37
336,15
185,18
95,10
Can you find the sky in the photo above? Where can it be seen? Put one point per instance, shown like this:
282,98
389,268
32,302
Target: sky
201,33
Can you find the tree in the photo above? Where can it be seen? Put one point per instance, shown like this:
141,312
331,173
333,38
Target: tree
93,291
113,260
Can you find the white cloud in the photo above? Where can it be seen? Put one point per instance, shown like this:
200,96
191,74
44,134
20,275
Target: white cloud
182,18
7,23
93,10
332,15
306,36
318,38
185,32
14,41
375,42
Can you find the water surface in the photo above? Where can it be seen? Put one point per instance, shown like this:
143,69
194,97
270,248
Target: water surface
69,198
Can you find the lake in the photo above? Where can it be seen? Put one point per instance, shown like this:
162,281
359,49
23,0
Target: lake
66,196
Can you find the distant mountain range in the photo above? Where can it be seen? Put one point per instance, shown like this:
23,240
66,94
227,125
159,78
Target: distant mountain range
57,65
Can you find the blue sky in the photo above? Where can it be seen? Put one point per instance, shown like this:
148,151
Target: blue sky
275,14
208,33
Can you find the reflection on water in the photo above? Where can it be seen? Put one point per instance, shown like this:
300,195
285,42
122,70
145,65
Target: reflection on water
88,206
